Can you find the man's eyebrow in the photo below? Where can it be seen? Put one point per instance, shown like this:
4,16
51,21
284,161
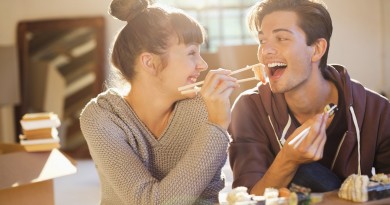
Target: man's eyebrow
276,31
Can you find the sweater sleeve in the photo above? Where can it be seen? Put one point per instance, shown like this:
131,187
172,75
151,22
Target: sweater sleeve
250,151
195,171
120,165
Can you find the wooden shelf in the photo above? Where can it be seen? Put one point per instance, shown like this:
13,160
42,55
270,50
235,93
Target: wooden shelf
62,61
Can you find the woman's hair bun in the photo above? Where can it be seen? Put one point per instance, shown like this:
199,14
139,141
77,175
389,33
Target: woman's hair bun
126,10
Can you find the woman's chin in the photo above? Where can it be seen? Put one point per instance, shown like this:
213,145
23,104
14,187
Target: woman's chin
188,95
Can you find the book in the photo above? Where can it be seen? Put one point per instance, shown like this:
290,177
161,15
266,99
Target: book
6,148
38,116
31,121
24,141
41,147
42,133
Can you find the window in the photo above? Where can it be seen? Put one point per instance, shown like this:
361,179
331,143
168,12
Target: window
224,20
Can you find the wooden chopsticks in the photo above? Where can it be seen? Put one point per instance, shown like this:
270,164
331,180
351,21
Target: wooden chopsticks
301,136
193,87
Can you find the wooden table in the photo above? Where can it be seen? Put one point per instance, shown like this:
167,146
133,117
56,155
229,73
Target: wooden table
331,198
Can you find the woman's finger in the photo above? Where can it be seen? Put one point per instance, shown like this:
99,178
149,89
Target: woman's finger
217,83
222,87
212,74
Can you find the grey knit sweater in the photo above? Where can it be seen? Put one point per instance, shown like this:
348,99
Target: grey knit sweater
182,167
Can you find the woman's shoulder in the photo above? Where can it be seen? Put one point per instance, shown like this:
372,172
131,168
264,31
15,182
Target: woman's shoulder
108,96
106,101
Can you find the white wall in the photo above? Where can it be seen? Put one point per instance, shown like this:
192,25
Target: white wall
360,36
12,11
385,4
358,39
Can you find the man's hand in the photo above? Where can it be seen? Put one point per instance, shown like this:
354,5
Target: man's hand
311,148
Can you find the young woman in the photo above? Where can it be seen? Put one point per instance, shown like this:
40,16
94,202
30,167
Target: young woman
153,145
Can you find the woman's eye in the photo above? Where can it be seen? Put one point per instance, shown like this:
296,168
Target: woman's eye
192,53
261,41
282,39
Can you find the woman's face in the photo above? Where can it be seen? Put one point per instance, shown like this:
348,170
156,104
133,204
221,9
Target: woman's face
184,65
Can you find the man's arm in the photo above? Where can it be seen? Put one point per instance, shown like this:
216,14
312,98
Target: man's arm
287,161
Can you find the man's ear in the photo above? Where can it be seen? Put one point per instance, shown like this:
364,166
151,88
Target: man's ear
148,62
319,48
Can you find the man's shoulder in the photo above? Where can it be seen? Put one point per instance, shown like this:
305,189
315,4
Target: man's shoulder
258,90
256,97
248,95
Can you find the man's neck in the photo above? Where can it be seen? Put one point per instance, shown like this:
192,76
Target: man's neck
311,98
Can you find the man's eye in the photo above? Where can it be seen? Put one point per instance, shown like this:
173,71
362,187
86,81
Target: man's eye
192,53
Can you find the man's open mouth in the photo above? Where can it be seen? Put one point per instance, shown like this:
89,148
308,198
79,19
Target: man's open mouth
276,68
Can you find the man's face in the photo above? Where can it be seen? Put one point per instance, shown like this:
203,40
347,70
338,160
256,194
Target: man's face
284,52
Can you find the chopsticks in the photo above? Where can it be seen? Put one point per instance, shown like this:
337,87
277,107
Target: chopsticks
301,136
197,89
193,87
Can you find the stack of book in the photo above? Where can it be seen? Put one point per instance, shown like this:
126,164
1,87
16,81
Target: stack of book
40,131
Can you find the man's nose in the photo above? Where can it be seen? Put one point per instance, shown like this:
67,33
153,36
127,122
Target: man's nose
267,49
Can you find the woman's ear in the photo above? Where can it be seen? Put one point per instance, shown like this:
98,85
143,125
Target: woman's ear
148,62
319,48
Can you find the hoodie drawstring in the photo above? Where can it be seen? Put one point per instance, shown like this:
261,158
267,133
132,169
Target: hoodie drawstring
357,137
277,138
282,140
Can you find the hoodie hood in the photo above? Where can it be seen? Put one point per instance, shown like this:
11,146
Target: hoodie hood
276,107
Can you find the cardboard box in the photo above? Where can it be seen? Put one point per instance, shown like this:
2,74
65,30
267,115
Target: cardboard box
27,177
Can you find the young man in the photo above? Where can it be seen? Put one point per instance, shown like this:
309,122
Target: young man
294,38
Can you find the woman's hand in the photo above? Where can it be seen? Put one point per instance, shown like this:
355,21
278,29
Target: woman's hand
311,148
216,90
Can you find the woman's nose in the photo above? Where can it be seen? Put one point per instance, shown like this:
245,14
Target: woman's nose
202,64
